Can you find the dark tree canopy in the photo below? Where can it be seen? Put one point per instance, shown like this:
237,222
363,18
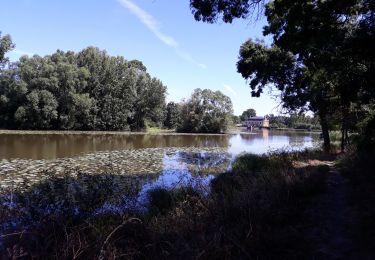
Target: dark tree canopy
172,117
211,10
322,56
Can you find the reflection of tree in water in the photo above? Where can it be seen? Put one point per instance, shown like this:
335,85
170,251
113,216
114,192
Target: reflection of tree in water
211,141
249,138
256,135
52,146
185,141
297,141
205,162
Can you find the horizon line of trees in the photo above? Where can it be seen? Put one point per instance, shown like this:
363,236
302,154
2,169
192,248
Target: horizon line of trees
88,90
91,90
294,120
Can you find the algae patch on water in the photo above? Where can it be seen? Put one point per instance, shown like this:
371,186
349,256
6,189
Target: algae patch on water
22,173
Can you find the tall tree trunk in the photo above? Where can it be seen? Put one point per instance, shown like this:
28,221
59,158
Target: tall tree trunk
344,125
347,141
342,139
325,132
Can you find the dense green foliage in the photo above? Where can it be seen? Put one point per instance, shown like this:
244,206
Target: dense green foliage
236,119
6,45
172,117
206,111
248,113
296,121
89,90
210,10
322,57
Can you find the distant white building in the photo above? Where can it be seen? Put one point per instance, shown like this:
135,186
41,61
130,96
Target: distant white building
257,121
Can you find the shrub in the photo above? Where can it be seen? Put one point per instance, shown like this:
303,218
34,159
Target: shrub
160,200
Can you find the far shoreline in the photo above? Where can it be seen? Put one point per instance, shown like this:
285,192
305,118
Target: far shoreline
231,131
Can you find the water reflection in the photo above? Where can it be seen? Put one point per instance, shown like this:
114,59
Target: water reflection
177,172
265,141
53,146
91,194
105,178
204,163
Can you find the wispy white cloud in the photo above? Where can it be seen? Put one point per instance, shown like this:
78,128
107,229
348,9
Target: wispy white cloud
154,26
186,56
230,89
203,66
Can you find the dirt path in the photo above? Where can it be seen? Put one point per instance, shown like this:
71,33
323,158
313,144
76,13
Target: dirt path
333,222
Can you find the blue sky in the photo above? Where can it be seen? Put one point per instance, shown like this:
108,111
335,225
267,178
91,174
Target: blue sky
163,34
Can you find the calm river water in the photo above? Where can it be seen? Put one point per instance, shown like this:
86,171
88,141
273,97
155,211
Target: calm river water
122,167
54,146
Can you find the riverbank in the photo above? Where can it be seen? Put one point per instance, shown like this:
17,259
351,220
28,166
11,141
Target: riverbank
77,132
153,131
257,210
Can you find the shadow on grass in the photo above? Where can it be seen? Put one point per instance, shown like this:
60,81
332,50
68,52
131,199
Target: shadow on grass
358,165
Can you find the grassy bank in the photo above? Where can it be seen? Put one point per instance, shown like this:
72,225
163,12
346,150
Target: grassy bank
254,211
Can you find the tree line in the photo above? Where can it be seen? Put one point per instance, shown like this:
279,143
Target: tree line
91,90
294,120
322,57
88,90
